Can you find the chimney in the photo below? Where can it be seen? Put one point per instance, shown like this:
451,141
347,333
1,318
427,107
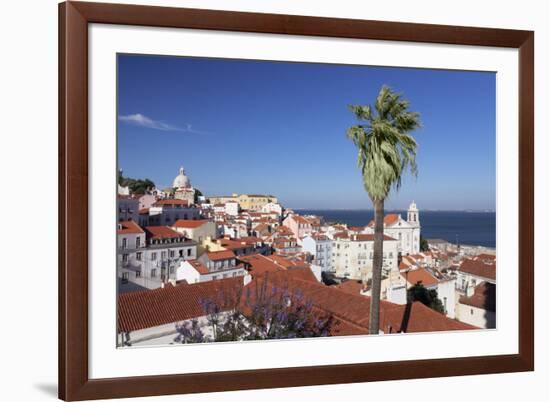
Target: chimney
470,290
247,278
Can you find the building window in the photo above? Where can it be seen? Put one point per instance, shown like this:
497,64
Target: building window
124,243
163,255
188,252
125,277
171,270
138,256
153,273
153,256
172,253
138,242
138,274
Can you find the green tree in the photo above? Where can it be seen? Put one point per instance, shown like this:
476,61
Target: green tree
427,297
137,186
424,246
386,149
198,194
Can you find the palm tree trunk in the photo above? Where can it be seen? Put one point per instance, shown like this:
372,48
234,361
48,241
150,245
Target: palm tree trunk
374,319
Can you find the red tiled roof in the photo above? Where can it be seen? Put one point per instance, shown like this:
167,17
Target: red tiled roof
286,262
252,240
189,224
368,237
484,297
150,308
162,232
393,317
351,287
259,264
389,219
300,219
479,268
233,244
421,276
199,266
359,237
486,257
128,227
220,255
341,235
140,310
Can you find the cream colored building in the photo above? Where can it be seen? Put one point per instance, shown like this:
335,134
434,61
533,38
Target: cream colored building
250,202
197,230
407,232
352,255
182,188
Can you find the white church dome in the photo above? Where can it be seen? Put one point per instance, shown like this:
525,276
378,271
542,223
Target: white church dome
181,180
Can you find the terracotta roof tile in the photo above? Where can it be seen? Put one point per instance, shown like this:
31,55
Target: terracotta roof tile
478,268
220,255
128,227
150,308
189,224
162,232
484,297
420,276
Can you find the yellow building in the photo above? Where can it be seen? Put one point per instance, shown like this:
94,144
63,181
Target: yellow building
251,202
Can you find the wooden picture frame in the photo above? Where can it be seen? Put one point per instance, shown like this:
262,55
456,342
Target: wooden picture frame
74,381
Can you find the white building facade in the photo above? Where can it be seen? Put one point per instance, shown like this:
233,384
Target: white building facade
320,247
352,256
406,232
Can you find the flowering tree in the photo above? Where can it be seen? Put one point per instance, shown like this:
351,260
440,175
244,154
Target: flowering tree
267,310
190,332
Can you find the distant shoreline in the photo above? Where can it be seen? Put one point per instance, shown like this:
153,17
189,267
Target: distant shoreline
477,229
394,210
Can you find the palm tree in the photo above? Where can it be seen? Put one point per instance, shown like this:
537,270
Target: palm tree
386,149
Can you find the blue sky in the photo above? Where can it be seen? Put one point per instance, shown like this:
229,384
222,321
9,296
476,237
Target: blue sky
274,127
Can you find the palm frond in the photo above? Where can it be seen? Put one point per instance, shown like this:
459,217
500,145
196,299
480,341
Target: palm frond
386,147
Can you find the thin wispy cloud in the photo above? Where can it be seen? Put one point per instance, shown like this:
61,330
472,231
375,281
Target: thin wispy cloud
141,120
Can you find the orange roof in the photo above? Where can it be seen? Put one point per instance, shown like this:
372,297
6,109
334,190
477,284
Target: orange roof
129,227
259,264
162,232
359,237
233,244
351,287
389,219
420,276
486,257
199,266
301,219
479,268
189,224
150,308
220,255
484,297
368,237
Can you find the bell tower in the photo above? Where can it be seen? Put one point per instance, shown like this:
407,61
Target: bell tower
412,215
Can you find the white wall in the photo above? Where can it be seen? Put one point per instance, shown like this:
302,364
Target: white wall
29,143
